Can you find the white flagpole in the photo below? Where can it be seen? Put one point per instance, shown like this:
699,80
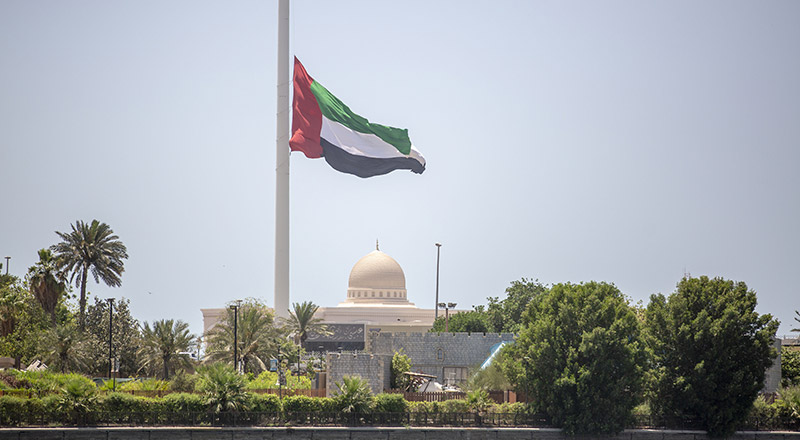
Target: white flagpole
282,167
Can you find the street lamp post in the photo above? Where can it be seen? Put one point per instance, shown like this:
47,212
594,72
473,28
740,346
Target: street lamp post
7,258
447,308
110,345
436,312
235,308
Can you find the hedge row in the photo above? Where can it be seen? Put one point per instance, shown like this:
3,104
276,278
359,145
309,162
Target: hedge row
16,410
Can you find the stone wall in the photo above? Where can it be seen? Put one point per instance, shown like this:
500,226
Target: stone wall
430,353
366,433
376,369
772,379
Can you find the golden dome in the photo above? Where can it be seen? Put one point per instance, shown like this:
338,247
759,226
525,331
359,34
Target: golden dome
377,270
377,277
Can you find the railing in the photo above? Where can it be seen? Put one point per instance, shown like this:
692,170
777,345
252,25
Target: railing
417,419
244,418
442,396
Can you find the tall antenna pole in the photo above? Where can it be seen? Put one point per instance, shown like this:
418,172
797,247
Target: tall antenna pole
282,167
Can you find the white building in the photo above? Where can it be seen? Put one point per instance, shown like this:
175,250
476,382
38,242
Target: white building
376,297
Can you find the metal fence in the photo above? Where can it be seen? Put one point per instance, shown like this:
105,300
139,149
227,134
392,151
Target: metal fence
442,396
244,419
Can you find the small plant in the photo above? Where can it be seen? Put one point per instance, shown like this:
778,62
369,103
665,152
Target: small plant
353,395
77,398
478,401
223,388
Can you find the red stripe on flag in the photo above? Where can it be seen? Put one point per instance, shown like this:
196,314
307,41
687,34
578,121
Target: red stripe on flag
306,115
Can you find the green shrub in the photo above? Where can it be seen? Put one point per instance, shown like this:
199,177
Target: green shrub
268,380
10,381
183,402
122,402
455,406
269,403
420,407
183,382
327,404
510,408
12,410
301,404
763,415
144,385
49,404
390,403
788,406
47,382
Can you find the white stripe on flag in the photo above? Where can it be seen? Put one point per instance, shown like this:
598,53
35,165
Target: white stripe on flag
360,144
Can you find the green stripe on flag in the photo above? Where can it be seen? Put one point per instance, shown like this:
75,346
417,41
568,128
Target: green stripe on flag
335,110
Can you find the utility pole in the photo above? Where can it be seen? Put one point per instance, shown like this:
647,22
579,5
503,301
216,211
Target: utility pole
436,312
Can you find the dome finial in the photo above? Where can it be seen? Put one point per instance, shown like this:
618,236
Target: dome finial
376,245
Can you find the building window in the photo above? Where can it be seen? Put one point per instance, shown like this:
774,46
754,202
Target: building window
454,375
440,355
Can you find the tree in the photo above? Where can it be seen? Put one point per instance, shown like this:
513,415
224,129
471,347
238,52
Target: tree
796,318
401,363
301,321
46,283
710,352
162,344
22,321
90,248
12,299
126,335
790,368
64,349
579,356
506,315
473,321
258,338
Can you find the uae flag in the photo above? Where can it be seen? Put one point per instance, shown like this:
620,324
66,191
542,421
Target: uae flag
323,126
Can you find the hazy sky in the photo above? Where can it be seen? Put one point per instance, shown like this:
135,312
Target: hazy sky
628,142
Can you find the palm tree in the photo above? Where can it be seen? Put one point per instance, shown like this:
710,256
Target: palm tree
353,395
301,322
223,387
47,284
64,348
797,318
12,299
90,248
163,343
257,337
